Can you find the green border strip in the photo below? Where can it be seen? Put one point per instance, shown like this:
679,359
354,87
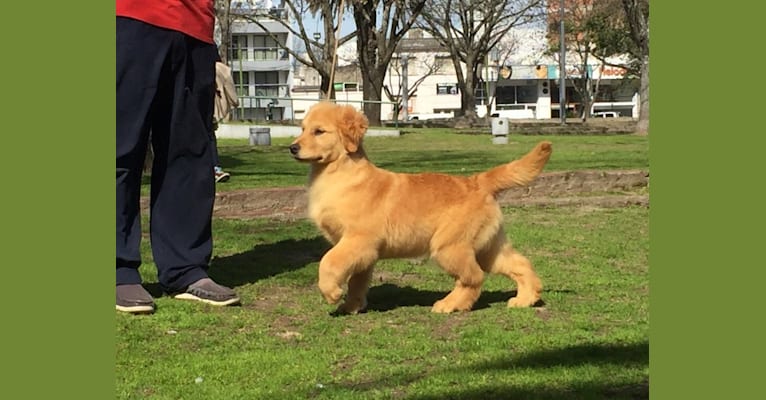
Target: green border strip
58,200
706,207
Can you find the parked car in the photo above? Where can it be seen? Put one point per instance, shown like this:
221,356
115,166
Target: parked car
427,116
606,114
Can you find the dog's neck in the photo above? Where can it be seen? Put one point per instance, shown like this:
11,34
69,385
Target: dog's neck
357,159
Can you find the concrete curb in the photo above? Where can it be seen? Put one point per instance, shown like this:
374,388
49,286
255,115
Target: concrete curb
230,131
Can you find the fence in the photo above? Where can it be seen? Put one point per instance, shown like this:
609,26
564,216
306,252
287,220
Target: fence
268,106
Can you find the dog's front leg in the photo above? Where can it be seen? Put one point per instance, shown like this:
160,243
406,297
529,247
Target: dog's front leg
348,257
358,286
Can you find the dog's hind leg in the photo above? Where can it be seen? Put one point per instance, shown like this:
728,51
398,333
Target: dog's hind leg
460,262
356,298
347,258
500,258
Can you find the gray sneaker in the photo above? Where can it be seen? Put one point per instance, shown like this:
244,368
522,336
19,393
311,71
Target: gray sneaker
134,299
207,291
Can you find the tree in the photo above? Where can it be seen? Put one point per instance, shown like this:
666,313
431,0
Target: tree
380,24
637,15
621,27
469,30
425,66
223,19
320,51
580,33
510,51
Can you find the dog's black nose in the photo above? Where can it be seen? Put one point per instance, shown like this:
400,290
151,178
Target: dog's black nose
294,149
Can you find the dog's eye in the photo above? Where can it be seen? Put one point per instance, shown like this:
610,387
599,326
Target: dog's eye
318,131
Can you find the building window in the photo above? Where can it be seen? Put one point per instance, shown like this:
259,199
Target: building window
346,86
265,48
241,82
517,94
481,93
526,94
446,88
238,47
267,84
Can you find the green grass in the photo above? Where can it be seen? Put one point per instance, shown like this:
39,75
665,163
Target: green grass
432,149
589,341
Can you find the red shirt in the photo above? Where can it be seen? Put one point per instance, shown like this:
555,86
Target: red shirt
195,18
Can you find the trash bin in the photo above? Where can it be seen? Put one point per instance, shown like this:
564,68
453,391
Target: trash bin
260,136
500,130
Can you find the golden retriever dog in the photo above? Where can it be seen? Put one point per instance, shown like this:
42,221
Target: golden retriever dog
368,214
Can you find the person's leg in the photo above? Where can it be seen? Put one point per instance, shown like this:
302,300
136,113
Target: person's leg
183,188
138,63
214,150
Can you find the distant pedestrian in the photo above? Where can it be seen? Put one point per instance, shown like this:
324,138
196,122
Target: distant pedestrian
225,100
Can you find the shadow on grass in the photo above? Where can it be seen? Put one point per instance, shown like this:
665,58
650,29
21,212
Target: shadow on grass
267,260
633,356
388,296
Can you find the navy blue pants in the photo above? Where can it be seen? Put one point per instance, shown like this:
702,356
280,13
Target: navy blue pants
165,85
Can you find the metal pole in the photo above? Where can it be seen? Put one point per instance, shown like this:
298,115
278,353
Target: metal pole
405,89
562,68
486,85
242,86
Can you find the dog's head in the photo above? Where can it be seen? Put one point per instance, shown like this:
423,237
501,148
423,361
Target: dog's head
329,131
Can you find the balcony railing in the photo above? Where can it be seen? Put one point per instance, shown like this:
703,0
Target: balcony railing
264,92
259,54
245,9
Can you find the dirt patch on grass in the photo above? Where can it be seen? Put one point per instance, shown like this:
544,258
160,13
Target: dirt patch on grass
273,301
559,189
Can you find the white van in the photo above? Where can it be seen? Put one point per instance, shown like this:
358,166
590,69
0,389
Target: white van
606,114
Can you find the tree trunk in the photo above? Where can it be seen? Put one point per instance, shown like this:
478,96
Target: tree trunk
468,101
642,127
371,91
586,103
468,92
325,86
223,14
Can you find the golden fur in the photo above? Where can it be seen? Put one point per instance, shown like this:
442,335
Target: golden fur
368,213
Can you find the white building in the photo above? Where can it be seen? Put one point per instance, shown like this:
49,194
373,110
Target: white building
524,85
262,70
518,80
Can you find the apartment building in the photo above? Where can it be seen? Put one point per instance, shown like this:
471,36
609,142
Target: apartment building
262,70
272,86
522,86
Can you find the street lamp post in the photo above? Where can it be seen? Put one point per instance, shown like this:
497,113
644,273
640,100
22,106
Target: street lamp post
405,89
562,68
318,36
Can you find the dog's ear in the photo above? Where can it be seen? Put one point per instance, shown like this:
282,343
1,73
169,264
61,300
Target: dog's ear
353,125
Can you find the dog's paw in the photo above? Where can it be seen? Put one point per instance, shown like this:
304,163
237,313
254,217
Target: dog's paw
352,307
516,302
443,307
331,294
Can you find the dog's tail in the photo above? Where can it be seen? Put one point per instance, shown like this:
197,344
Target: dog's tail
516,173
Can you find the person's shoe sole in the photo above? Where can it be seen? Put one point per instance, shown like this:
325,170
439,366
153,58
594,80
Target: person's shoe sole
145,309
222,178
189,296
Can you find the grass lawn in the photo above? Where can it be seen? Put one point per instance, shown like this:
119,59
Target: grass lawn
432,149
589,341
